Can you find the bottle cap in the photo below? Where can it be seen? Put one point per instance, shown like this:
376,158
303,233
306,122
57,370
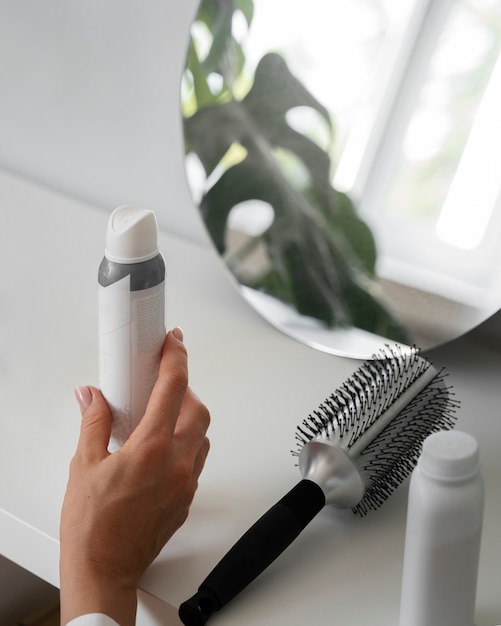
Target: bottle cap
449,455
132,235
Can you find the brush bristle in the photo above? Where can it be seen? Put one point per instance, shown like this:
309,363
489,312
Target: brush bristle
349,416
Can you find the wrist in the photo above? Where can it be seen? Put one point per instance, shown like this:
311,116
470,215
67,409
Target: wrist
90,588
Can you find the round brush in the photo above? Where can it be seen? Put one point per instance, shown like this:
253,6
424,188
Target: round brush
353,452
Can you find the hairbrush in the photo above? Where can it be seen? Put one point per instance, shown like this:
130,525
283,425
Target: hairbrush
353,452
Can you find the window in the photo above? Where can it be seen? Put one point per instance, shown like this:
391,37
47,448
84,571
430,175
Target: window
414,87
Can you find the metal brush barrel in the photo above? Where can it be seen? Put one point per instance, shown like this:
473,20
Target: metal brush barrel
332,469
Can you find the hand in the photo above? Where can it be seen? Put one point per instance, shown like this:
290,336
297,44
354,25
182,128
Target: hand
120,509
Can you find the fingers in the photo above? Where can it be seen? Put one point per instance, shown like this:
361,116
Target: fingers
173,411
95,427
194,417
201,457
190,441
169,391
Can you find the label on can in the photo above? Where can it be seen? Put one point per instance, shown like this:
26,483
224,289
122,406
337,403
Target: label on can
131,335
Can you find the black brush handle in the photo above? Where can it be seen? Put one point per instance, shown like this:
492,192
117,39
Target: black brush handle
254,551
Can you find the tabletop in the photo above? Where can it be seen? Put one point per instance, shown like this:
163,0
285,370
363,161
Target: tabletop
257,383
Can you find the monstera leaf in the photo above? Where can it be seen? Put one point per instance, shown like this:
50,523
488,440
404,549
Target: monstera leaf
321,255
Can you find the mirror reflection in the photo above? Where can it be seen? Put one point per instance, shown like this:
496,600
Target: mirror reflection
343,157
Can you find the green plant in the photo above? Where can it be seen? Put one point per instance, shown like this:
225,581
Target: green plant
320,255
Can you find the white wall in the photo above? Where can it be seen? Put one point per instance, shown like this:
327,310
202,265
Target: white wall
89,101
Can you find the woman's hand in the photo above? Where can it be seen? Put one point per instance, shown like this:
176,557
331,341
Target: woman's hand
120,509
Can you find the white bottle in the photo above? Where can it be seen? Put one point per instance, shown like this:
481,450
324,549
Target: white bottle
444,526
131,317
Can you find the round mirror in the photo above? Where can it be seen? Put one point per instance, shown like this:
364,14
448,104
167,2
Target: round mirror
344,158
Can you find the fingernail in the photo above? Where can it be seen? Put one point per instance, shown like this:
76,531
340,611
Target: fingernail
83,396
178,333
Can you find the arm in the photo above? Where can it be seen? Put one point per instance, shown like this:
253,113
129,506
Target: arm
120,509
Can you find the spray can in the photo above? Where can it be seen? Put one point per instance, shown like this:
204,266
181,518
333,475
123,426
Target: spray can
444,526
131,317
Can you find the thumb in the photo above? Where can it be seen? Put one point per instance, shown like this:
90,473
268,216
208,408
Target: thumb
95,428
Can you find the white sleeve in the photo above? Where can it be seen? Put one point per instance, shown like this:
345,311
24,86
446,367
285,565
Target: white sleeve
93,619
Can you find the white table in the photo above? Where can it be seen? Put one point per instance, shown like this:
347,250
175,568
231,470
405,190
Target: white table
258,384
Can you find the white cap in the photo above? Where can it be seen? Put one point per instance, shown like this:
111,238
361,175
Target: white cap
450,455
132,235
